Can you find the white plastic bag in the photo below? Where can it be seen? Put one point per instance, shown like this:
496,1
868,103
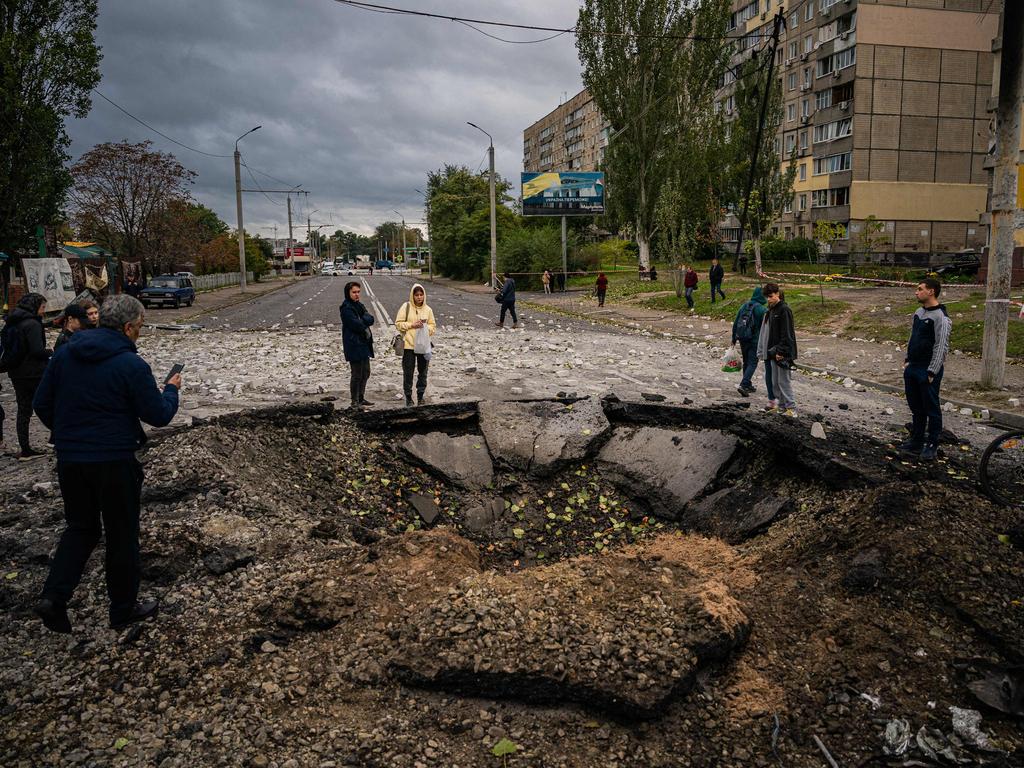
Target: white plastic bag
731,361
421,346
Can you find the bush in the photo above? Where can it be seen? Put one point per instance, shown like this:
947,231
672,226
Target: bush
799,249
528,250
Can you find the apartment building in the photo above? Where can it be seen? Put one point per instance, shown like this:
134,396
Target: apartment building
886,107
571,137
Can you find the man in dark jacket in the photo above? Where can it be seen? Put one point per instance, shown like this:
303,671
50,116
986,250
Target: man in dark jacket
716,275
923,368
93,395
745,329
776,345
357,342
24,329
507,298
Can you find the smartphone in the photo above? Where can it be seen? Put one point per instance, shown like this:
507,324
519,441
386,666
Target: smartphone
178,368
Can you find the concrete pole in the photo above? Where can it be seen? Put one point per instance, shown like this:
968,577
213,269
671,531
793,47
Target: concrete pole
241,230
565,250
494,223
403,240
1004,195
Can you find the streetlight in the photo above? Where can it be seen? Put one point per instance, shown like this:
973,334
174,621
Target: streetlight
238,204
430,256
494,215
402,216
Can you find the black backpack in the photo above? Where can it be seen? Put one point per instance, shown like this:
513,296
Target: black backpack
12,351
745,322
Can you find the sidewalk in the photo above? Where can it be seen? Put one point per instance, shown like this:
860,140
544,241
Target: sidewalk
216,300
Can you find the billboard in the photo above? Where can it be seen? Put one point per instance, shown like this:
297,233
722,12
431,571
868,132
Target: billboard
563,193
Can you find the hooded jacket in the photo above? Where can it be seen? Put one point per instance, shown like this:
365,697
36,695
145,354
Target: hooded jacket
409,313
33,342
929,338
93,395
760,310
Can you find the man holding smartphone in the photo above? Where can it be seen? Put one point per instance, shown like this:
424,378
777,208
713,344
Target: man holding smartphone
93,395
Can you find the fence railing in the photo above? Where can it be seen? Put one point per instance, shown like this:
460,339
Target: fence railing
209,282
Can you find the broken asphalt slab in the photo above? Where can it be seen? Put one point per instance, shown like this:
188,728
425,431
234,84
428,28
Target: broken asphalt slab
463,460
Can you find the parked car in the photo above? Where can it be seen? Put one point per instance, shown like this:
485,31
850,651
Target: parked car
963,263
346,268
384,264
328,269
168,289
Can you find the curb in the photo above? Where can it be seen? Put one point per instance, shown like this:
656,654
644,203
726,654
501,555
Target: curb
240,300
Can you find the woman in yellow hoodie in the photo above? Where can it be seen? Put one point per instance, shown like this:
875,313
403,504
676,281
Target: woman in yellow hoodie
412,316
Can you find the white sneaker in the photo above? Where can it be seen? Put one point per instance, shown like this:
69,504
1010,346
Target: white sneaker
771,407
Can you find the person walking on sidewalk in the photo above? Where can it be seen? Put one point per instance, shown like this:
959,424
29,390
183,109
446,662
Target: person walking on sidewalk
546,279
743,263
716,275
357,342
602,288
94,394
923,368
776,345
413,319
690,281
746,329
25,359
507,298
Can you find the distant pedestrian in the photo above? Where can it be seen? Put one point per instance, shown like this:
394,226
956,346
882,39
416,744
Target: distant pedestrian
93,395
716,275
371,270
132,288
923,368
25,358
357,342
654,274
690,281
743,263
546,280
602,288
561,282
746,329
776,345
75,318
412,317
507,298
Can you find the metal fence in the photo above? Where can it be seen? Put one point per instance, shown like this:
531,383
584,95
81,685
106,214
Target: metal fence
209,282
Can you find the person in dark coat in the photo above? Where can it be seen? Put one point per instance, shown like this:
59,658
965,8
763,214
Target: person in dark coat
561,282
507,298
357,342
602,288
75,319
94,394
746,329
716,275
26,321
776,345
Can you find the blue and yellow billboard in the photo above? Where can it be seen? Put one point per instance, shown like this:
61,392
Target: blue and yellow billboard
563,194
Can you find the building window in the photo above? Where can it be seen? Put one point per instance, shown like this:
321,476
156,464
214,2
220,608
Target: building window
832,163
807,77
791,81
788,207
809,11
790,143
790,112
803,202
793,19
824,198
808,43
805,108
803,171
837,61
792,50
803,140
823,99
835,130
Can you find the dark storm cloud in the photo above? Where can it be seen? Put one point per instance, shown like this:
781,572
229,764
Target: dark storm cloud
355,106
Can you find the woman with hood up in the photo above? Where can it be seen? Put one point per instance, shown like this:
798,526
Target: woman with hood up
411,317
26,324
357,341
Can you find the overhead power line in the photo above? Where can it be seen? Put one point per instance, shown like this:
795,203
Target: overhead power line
140,121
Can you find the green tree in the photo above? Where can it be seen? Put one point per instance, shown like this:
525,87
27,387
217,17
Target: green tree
49,63
258,255
655,87
208,223
872,235
527,251
826,233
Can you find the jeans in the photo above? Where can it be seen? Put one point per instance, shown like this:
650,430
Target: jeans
782,384
689,296
357,382
100,498
24,391
768,384
716,287
411,363
749,352
923,399
547,287
509,307
600,297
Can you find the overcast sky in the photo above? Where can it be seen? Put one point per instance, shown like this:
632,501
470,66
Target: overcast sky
355,106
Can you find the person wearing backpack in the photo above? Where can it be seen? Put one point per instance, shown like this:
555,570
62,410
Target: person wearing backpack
24,357
745,329
414,315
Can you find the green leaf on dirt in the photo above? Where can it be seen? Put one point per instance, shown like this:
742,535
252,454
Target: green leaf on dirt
515,508
504,747
384,481
1003,539
565,486
121,743
518,533
11,575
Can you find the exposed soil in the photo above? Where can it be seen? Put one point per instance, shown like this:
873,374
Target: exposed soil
296,576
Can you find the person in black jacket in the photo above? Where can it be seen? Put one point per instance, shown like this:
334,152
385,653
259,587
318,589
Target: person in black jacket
776,345
75,319
357,341
507,298
27,322
716,275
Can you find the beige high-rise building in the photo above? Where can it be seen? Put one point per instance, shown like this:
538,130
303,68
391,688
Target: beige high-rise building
570,138
886,105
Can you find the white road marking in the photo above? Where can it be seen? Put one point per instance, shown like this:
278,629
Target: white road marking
629,378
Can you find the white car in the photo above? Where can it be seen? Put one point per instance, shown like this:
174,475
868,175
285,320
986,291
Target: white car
328,269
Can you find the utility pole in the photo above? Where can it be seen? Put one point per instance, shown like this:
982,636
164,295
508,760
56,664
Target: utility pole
238,205
565,250
494,209
403,236
1004,195
769,83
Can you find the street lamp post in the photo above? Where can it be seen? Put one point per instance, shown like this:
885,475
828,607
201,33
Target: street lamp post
238,204
403,235
430,255
494,215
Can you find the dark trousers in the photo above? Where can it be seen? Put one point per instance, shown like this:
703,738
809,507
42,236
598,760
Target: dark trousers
357,381
743,267
411,363
689,296
749,351
600,297
923,399
511,309
716,288
99,498
24,391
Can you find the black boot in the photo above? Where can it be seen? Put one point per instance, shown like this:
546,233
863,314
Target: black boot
408,400
54,615
419,398
139,612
